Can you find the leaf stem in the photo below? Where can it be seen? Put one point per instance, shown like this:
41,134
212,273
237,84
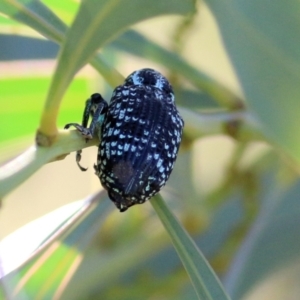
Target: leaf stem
205,281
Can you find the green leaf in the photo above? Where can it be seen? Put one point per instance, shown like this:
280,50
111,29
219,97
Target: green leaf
36,15
134,43
65,10
96,23
106,266
272,243
205,281
39,17
265,54
47,273
5,22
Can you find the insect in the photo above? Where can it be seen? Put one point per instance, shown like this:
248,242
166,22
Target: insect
140,133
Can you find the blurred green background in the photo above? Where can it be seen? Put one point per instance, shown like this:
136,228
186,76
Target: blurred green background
238,199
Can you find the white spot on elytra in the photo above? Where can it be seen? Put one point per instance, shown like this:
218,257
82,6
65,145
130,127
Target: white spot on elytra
109,179
122,114
172,97
160,83
136,78
159,163
110,131
107,150
161,170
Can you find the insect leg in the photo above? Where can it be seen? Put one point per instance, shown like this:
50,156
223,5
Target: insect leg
95,107
98,112
84,131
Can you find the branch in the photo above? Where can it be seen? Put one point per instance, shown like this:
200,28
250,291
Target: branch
240,125
13,173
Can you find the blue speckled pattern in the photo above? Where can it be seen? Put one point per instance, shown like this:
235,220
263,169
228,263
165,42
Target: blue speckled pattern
141,135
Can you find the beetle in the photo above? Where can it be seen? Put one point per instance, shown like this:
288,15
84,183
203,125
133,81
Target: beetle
139,132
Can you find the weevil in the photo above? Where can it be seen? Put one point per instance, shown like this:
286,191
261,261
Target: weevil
139,132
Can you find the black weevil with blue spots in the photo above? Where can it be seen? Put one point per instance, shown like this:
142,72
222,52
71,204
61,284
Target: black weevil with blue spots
140,133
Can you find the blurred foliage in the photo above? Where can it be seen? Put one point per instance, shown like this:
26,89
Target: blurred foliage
32,90
245,221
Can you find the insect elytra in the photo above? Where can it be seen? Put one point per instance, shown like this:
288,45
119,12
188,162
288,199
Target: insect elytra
140,133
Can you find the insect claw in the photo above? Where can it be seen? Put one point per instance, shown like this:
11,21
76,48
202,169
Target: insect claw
76,125
78,158
67,126
81,168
